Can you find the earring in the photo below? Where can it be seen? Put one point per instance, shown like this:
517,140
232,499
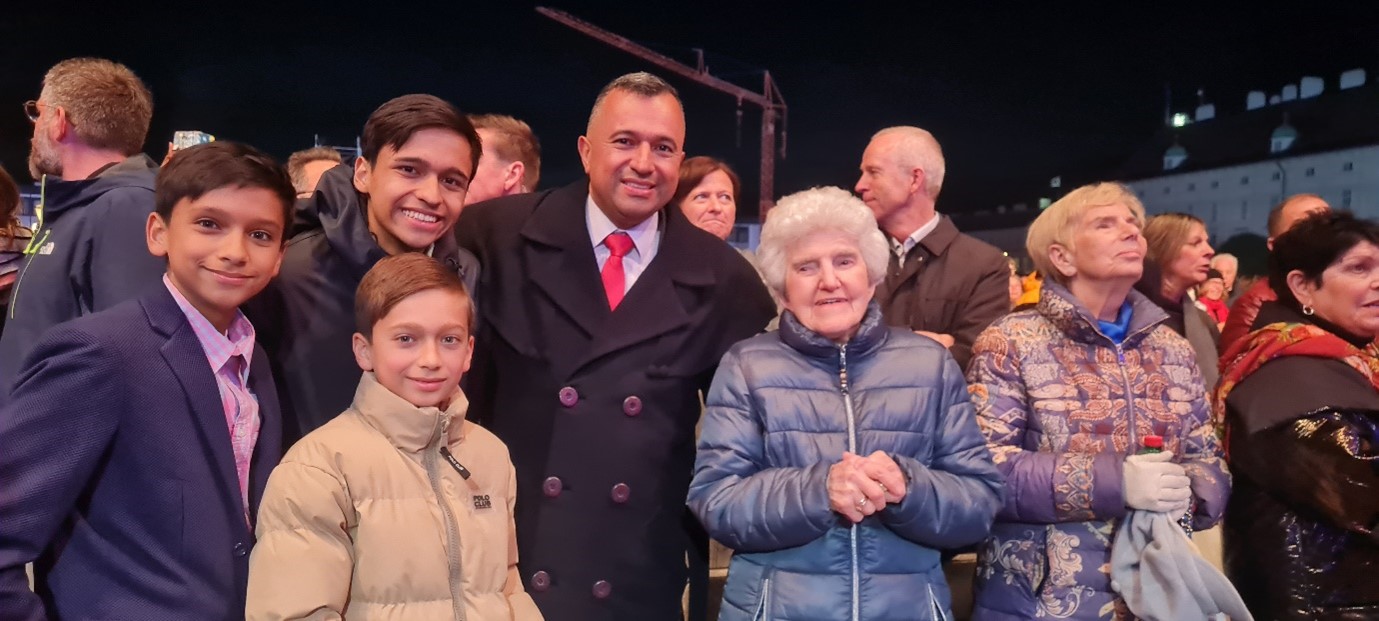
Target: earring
1308,310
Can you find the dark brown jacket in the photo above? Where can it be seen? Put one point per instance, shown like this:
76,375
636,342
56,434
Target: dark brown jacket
951,284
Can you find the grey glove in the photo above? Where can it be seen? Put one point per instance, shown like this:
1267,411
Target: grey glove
1151,482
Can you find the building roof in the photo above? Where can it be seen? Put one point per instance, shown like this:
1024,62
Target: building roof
1328,122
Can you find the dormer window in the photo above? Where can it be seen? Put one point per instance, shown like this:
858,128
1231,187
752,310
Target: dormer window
1174,157
1282,138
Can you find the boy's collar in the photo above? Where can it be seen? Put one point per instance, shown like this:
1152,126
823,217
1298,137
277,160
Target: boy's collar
408,427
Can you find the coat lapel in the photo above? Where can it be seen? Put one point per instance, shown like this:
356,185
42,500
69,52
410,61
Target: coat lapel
187,361
560,257
653,305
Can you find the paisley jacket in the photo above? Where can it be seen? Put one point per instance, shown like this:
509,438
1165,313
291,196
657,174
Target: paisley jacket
1061,406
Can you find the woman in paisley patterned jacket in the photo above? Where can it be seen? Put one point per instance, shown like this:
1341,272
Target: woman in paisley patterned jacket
1065,393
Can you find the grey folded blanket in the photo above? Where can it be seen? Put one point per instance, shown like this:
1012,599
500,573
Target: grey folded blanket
1157,571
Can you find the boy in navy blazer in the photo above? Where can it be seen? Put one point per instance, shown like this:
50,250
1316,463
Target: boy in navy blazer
138,440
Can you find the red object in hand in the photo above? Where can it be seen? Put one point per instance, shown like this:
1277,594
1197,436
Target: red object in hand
1152,444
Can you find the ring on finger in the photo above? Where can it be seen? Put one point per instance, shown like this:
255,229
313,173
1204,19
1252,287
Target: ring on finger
862,503
883,488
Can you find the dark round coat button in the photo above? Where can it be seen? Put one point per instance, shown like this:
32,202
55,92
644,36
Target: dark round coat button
621,492
540,581
569,397
632,406
552,486
241,549
602,589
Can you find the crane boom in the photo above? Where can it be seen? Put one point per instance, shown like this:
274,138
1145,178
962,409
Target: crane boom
770,100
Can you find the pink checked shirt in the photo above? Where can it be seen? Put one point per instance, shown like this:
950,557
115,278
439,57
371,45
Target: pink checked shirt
229,356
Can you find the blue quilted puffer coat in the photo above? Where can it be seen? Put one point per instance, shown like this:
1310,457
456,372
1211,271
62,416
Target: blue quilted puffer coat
784,407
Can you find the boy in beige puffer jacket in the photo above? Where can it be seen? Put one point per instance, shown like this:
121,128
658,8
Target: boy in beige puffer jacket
398,508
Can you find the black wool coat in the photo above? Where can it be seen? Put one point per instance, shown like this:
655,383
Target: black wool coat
598,407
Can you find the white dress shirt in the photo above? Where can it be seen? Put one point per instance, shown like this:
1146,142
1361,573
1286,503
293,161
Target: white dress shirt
902,249
646,240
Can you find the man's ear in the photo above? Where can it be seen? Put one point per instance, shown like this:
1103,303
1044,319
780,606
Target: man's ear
61,126
362,172
584,148
1062,259
156,235
513,174
917,176
363,351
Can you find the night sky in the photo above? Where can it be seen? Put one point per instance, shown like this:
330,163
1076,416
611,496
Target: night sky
1016,92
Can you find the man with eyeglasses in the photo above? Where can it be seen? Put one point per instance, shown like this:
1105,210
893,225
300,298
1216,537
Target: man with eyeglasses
88,251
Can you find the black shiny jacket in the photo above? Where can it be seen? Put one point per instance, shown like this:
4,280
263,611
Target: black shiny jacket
1300,526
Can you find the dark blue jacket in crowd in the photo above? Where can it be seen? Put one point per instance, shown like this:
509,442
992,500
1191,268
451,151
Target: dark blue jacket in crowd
88,253
117,476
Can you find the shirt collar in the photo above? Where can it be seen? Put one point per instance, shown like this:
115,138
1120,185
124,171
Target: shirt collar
903,248
219,348
643,234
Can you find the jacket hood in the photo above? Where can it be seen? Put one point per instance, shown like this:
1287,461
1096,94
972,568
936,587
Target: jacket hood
409,428
871,334
1073,318
60,196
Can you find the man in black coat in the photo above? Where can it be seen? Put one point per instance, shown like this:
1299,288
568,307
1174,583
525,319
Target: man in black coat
592,353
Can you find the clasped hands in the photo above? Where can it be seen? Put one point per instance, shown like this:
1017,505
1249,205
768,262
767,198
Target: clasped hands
860,486
1152,482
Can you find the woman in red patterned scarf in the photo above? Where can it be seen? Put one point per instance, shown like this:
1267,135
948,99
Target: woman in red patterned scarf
1300,399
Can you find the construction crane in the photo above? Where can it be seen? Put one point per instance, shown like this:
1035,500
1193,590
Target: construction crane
770,100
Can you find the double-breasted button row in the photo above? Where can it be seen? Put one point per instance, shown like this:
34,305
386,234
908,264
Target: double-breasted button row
541,582
631,406
553,486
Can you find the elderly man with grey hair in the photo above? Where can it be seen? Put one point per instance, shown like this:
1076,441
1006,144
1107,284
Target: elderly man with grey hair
838,455
940,283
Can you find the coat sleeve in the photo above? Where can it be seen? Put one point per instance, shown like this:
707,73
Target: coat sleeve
1332,458
1201,455
990,300
120,266
1041,487
950,502
52,447
303,541
519,601
742,501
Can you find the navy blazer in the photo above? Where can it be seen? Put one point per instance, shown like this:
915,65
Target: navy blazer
117,478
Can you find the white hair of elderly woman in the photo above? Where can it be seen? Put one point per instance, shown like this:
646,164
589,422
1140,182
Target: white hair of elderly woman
823,209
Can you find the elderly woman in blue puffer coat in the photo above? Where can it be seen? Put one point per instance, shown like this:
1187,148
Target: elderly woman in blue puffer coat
838,455
1065,394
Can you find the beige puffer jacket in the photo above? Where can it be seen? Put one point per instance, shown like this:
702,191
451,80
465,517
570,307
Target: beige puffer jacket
351,526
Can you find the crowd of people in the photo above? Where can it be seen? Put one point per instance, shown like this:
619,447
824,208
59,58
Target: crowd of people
413,386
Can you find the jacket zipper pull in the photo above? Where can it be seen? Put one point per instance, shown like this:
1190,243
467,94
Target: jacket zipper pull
455,463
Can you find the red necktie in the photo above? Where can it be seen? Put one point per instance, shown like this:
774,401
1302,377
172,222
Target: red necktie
618,243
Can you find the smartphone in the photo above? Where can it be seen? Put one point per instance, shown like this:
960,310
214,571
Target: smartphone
184,139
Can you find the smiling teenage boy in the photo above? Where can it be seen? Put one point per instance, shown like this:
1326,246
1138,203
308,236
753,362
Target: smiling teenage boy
398,507
403,194
138,440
